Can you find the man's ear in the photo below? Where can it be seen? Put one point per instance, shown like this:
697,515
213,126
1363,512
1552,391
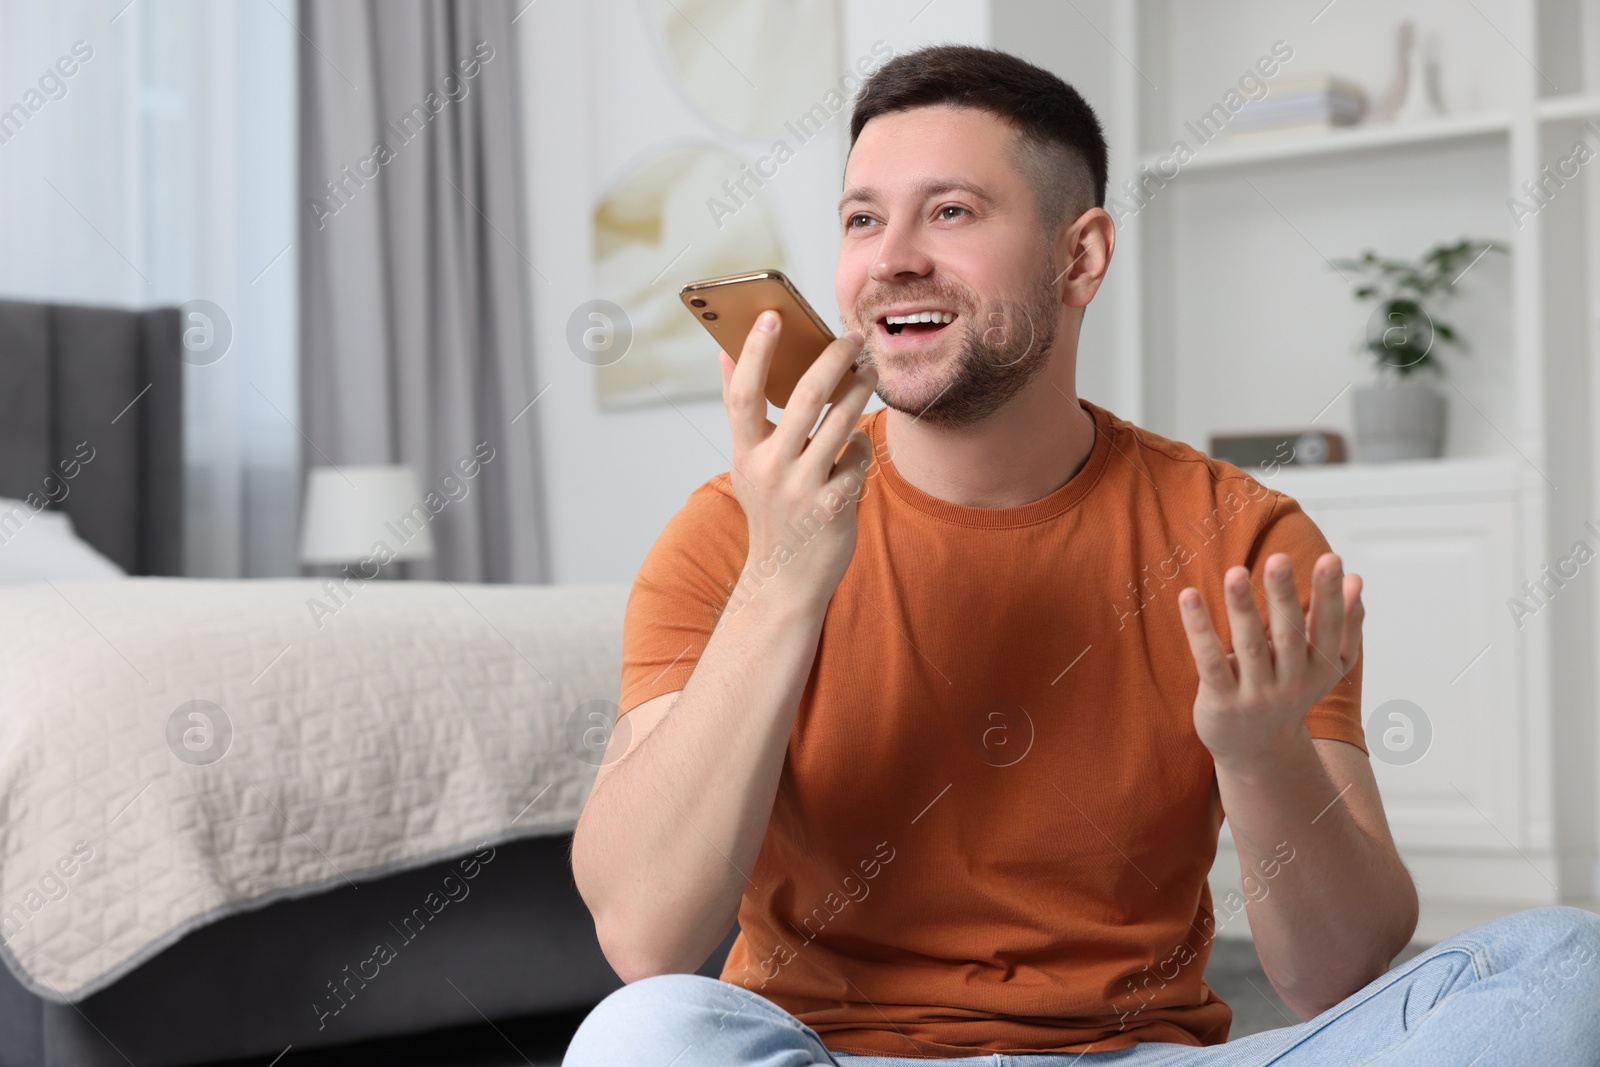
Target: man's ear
1083,250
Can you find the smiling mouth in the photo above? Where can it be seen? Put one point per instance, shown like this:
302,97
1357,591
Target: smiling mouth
926,322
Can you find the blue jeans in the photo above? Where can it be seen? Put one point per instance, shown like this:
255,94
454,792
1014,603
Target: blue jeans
1521,989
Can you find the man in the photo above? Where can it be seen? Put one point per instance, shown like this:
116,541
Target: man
935,701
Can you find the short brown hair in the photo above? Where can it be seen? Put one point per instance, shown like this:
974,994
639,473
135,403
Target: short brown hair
1061,148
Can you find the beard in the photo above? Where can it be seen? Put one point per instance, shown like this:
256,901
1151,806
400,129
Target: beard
1003,345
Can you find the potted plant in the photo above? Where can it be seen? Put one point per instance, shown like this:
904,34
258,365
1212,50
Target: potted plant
1402,416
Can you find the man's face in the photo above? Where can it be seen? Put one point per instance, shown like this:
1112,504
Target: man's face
936,218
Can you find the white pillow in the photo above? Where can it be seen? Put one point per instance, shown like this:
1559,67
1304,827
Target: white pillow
40,544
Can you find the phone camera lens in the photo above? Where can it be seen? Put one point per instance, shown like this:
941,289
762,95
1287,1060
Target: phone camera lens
697,302
708,315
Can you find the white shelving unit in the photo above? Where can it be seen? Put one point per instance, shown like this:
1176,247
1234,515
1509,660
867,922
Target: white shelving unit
1225,314
1570,106
1288,147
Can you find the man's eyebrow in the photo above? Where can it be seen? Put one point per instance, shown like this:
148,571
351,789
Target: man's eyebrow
925,190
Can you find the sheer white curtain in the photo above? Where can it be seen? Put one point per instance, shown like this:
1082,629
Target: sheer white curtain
161,170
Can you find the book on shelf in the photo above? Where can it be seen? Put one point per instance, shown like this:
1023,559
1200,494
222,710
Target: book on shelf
1308,104
1287,131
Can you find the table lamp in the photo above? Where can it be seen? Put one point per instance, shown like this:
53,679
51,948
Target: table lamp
350,510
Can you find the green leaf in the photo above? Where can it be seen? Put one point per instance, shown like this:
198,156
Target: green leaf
1404,290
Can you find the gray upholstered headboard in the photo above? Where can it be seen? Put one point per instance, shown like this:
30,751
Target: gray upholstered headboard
91,419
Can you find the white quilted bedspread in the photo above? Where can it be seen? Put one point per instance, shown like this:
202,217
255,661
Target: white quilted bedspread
406,723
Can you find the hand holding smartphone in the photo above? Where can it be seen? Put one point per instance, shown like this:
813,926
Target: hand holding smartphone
728,308
787,475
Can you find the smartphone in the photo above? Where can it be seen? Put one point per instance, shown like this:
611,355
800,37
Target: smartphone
728,307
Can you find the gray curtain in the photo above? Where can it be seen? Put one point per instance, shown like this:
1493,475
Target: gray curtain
415,341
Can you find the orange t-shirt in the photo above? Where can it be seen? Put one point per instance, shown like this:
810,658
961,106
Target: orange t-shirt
995,820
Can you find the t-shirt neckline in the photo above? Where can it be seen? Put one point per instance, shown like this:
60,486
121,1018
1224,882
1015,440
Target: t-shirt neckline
1046,507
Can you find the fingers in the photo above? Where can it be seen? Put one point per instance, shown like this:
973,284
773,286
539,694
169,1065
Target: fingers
1327,623
1204,644
726,362
850,472
1354,612
840,420
1287,620
744,388
1244,626
813,391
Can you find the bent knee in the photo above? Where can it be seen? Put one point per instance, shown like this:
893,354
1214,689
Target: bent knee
1561,939
1574,938
1560,926
676,1010
660,994
645,1014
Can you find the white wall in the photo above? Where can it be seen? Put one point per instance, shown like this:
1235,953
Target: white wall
614,478
1067,40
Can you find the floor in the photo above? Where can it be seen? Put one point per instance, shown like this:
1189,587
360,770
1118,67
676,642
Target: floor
1233,971
538,1041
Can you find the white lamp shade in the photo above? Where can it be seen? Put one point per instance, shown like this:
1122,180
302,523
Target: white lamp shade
350,511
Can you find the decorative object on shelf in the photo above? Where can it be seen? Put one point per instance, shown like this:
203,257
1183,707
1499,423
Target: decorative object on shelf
1398,420
1410,97
1305,105
1285,448
1402,417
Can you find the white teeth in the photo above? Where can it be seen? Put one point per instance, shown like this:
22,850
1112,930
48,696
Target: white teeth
944,317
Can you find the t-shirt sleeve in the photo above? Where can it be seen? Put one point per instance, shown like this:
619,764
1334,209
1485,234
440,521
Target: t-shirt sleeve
680,592
1289,529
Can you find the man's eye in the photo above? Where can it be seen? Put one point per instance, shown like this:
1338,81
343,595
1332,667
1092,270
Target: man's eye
852,220
953,207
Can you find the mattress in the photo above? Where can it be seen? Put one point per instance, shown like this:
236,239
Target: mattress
175,751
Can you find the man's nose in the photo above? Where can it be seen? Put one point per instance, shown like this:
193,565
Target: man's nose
898,257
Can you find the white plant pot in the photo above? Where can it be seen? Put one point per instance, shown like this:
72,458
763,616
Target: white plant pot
1398,420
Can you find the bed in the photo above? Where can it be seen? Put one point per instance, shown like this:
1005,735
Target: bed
232,822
